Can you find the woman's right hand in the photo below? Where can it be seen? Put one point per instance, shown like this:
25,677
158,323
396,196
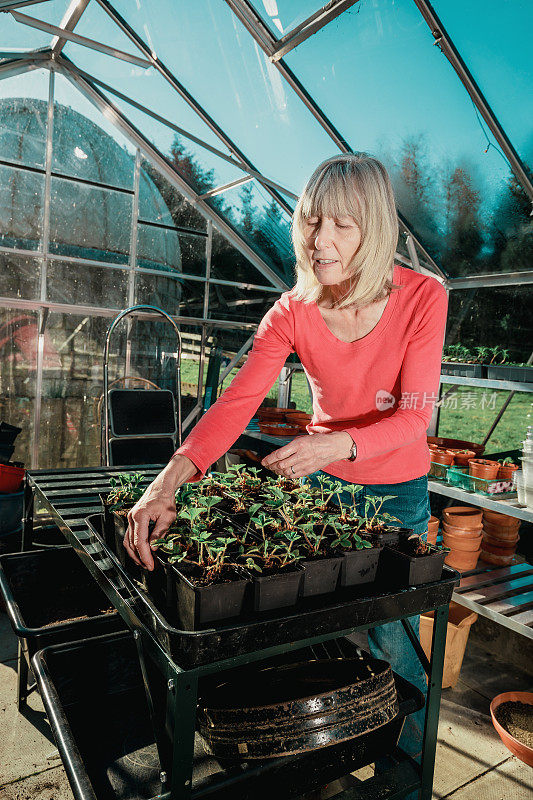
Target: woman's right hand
158,504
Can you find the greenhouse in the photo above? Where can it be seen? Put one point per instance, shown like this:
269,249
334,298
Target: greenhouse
266,376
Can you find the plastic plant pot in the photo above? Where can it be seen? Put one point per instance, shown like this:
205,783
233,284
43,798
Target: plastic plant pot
518,484
197,606
11,478
399,569
321,575
359,566
11,511
463,369
109,523
483,468
463,516
517,748
277,591
455,476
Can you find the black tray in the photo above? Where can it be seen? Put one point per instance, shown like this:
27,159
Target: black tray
39,585
358,606
94,698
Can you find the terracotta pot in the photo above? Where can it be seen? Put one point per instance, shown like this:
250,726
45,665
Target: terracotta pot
462,560
501,520
279,429
292,416
483,468
461,543
462,516
502,534
490,546
457,444
442,457
432,537
498,561
505,473
462,457
519,749
277,414
433,524
458,530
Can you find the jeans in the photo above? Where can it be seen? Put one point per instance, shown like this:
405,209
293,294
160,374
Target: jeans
389,642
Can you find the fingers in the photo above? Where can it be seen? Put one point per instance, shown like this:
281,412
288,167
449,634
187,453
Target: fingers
270,461
139,541
128,543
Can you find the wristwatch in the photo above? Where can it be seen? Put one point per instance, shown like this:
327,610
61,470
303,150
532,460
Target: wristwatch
353,452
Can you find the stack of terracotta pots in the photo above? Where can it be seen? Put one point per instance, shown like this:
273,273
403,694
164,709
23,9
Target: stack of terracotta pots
500,537
433,529
462,533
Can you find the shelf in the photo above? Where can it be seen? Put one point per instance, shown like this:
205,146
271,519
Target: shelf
487,383
509,505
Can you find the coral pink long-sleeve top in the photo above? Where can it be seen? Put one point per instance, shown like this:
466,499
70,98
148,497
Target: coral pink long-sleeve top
381,389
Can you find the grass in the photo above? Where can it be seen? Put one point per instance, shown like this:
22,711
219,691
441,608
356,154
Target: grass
469,416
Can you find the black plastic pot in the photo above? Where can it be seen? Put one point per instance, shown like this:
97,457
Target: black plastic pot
277,591
321,575
464,370
119,531
359,566
398,569
510,373
94,698
197,606
109,523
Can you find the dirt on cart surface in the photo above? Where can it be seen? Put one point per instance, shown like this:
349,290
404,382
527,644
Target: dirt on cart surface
517,719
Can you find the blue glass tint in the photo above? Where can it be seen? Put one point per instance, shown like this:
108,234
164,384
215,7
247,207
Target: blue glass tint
23,115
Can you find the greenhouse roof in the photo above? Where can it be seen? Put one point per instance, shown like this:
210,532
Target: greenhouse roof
256,94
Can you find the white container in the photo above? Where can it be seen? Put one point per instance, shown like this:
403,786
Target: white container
529,496
518,483
527,469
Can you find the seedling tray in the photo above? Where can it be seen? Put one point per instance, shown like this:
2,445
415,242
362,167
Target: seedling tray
52,598
488,487
365,606
94,697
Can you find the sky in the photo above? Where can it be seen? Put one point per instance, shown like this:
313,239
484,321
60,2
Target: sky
374,70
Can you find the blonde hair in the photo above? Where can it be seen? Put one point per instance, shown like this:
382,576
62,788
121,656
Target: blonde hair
358,186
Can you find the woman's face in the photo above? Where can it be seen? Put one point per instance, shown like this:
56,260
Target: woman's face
331,244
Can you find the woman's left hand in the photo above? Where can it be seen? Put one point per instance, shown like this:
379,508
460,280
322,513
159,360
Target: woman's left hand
307,454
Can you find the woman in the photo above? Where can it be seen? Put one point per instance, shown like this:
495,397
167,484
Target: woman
369,335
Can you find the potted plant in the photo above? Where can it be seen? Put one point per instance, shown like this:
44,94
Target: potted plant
458,360
483,468
439,461
126,490
274,565
208,584
410,561
462,457
360,557
505,472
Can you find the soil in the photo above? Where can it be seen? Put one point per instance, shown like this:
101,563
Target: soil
517,719
197,577
413,547
59,616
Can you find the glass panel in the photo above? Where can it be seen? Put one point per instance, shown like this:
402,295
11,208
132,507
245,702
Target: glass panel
23,114
448,186
21,208
159,248
261,222
282,16
244,305
468,414
237,85
17,37
19,277
85,144
88,222
228,264
496,316
106,287
505,78
159,201
71,405
161,291
18,364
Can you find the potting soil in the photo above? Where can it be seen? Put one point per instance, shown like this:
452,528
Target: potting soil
517,719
